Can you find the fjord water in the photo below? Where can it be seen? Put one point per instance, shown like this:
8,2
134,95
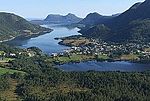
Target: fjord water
46,42
48,45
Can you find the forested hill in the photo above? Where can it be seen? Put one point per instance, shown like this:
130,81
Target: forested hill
132,25
95,18
138,11
60,19
12,25
36,78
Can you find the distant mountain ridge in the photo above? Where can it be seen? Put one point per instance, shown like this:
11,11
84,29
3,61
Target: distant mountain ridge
95,18
59,19
132,25
138,11
12,25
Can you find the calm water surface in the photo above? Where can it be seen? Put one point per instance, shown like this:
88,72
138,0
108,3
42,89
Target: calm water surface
48,45
46,42
106,66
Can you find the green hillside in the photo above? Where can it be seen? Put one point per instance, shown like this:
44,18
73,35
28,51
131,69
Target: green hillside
9,71
12,25
132,25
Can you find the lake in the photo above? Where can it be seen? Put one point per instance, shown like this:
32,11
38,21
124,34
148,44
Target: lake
122,66
49,45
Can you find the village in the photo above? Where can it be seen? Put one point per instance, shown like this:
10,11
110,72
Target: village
9,56
109,51
93,51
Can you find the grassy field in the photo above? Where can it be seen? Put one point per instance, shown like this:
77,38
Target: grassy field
129,57
76,41
75,58
147,49
103,57
2,52
10,71
72,58
6,60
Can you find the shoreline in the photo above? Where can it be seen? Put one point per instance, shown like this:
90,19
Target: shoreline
101,62
98,60
74,41
7,40
27,36
109,61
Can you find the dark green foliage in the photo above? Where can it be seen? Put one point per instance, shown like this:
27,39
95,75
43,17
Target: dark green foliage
12,25
136,31
9,49
44,82
140,30
95,18
138,11
99,31
35,49
132,25
4,83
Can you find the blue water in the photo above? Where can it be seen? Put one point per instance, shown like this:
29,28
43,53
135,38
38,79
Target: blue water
105,66
48,45
46,42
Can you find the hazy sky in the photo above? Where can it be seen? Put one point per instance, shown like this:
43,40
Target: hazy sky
41,8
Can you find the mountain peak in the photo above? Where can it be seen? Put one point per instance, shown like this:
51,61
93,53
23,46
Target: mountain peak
135,6
95,18
131,25
95,14
61,19
70,15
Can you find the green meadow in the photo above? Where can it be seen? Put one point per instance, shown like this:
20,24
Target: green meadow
9,71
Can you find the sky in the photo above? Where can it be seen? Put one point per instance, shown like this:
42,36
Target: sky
41,8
